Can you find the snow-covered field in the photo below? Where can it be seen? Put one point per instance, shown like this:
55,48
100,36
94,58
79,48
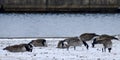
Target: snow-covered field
58,25
53,53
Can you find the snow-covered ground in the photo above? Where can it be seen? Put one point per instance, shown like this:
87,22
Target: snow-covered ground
53,53
58,25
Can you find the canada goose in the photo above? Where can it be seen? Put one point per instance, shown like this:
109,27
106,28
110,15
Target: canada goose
103,37
106,44
75,41
38,42
105,40
19,48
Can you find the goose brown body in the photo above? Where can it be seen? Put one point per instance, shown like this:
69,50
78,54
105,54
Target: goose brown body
38,42
19,48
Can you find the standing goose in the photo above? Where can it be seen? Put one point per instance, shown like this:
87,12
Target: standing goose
105,40
104,37
75,41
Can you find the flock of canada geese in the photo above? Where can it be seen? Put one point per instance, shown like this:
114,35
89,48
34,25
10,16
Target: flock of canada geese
66,43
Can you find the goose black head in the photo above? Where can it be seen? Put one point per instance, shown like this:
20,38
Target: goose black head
29,47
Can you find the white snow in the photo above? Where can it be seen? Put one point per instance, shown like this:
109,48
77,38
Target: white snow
53,53
58,25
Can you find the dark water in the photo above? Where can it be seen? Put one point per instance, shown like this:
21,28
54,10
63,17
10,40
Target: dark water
57,25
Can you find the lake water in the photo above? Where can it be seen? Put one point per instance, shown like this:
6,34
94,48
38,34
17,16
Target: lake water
57,25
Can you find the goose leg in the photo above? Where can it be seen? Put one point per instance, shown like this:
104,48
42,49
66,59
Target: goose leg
102,49
74,48
68,48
